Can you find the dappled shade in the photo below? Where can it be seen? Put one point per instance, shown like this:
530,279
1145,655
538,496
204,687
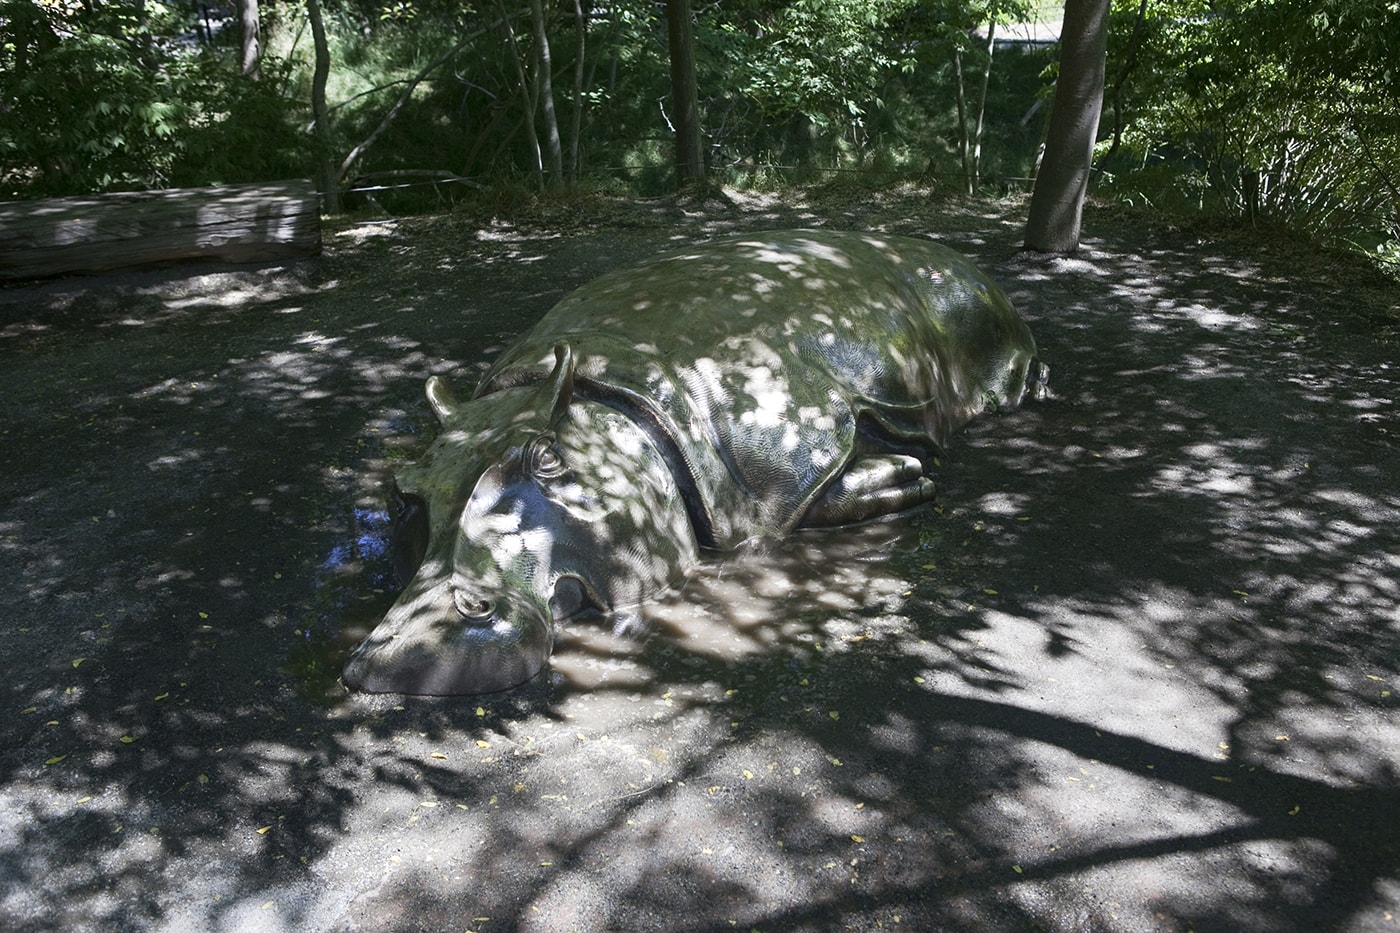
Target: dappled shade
1044,707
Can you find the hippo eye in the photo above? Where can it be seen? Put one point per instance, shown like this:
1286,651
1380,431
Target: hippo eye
542,458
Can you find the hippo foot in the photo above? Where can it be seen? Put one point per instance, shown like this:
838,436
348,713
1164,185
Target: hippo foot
869,488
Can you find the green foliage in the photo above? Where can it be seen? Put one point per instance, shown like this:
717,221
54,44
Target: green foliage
824,59
814,84
110,97
1287,110
868,86
1282,110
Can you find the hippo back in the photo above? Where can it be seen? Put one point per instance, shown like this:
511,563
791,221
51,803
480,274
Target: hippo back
760,359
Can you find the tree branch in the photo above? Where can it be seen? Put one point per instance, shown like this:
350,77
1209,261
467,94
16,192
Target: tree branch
403,100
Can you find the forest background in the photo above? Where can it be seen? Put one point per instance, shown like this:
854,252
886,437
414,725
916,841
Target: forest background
1279,112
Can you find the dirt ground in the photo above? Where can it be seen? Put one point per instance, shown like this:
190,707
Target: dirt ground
1137,671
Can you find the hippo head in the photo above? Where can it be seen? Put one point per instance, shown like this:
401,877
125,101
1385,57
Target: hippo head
537,507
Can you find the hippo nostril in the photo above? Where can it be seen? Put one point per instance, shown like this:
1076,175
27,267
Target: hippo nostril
473,607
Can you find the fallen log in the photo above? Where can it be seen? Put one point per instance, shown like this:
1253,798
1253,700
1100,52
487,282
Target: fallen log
234,223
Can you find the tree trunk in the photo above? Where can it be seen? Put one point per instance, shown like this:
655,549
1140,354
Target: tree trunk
685,95
982,109
576,121
964,148
1129,61
19,36
527,91
544,66
143,40
250,38
325,167
1057,205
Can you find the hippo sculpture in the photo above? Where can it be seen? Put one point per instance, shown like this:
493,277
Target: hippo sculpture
736,390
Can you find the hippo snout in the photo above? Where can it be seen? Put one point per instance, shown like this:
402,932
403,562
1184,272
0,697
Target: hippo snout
442,639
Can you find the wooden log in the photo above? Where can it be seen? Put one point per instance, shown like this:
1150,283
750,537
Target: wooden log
235,223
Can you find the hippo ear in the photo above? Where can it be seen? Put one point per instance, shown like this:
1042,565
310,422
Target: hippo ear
561,384
441,398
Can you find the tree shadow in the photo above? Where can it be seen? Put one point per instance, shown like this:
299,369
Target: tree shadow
1136,672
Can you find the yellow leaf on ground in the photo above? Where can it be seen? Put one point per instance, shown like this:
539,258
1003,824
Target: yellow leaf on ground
262,831
482,743
126,740
77,661
857,838
55,759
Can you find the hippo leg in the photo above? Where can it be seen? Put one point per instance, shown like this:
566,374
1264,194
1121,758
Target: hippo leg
870,487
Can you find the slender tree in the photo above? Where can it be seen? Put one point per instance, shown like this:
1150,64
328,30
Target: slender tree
1125,68
1057,204
527,91
250,38
685,95
576,121
544,81
330,189
975,180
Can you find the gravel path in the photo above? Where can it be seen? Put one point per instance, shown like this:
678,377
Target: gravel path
1137,671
